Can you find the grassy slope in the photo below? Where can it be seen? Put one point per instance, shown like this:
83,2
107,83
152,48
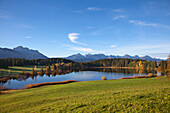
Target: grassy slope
130,95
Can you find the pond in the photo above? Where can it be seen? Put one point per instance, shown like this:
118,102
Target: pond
83,75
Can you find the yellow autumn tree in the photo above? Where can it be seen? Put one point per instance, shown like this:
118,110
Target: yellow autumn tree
9,71
139,65
35,68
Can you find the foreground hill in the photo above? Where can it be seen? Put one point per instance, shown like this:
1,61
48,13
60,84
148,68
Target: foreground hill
92,57
21,52
130,95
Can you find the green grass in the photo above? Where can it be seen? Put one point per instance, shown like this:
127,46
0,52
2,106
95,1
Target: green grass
17,69
130,95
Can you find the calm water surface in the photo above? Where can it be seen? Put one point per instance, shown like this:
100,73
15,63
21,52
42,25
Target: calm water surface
80,76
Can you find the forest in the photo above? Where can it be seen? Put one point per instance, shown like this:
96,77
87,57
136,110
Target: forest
4,63
124,62
120,62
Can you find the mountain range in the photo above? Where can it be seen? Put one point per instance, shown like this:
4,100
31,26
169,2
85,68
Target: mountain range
24,52
92,57
21,52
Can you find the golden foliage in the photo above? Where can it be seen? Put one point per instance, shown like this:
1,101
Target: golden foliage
35,68
139,65
104,78
9,71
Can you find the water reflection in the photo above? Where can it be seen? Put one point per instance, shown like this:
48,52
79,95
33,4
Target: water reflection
19,81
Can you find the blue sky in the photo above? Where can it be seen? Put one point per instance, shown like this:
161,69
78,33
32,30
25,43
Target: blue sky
59,28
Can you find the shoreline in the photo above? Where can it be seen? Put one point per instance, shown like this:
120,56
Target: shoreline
118,67
29,86
4,78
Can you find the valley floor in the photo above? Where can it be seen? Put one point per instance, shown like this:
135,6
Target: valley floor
130,95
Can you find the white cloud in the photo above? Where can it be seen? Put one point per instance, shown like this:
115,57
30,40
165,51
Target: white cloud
73,37
142,23
56,56
89,9
93,9
117,10
82,49
147,47
144,48
118,17
90,27
97,32
79,11
113,46
100,31
85,49
160,55
140,49
28,37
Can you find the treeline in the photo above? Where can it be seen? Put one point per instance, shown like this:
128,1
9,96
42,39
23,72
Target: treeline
163,65
124,62
64,63
4,63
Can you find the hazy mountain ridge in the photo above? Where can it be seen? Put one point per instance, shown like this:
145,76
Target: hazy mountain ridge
89,57
24,52
21,52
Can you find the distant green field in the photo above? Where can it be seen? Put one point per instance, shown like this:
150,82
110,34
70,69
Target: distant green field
17,69
128,95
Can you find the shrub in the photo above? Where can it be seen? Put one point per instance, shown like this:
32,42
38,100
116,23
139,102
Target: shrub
104,78
150,74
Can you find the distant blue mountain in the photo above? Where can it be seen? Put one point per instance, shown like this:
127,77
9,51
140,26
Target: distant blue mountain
89,57
21,52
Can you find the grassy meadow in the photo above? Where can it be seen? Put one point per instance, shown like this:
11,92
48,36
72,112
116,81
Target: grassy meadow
128,95
17,69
